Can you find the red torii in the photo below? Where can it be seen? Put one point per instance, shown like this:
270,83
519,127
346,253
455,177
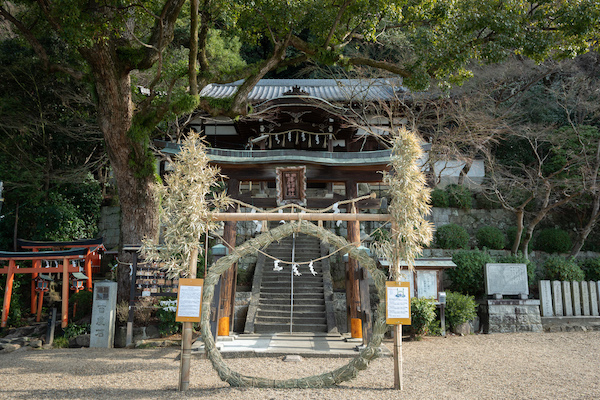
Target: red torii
65,269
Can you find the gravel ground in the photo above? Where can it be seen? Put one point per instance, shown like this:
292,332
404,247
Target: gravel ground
499,366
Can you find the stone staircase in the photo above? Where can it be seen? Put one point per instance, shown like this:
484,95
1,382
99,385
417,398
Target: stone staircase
270,304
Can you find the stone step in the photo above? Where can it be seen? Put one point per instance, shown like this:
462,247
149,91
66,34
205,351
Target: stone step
270,307
297,296
285,319
297,289
275,328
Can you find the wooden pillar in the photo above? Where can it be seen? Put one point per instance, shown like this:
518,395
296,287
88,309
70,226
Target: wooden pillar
352,288
38,316
88,270
65,294
10,277
229,277
34,294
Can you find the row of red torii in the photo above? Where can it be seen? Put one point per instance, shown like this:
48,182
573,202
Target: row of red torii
62,255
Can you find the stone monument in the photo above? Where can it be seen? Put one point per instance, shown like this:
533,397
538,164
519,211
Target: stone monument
514,314
104,313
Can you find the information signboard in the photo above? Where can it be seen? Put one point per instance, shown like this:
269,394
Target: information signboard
397,303
189,300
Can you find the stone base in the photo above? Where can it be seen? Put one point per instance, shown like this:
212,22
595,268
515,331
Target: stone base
505,316
568,324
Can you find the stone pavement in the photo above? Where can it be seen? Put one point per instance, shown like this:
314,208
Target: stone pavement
282,344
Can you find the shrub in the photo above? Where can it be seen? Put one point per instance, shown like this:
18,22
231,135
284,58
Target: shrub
591,269
459,309
557,268
553,240
81,302
73,330
519,258
422,313
166,322
439,198
467,277
459,197
451,236
490,237
487,201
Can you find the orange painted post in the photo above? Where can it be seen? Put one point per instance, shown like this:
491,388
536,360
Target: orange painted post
8,292
38,317
88,270
34,294
65,294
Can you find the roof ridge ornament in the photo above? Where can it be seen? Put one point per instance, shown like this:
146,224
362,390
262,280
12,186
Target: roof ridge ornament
295,91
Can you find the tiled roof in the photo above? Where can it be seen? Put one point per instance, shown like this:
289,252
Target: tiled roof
326,89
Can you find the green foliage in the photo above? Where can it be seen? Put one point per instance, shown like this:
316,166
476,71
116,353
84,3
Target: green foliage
491,238
553,240
439,198
83,299
519,258
487,201
459,309
422,313
18,301
451,236
60,342
591,268
467,277
459,197
73,330
166,322
223,53
557,268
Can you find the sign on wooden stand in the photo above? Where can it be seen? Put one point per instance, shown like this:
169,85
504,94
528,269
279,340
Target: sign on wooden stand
189,300
189,306
397,313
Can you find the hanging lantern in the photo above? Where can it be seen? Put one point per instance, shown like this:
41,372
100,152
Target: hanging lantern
42,282
78,281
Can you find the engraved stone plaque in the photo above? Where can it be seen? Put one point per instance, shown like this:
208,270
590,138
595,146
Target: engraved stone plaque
557,298
104,313
576,299
593,299
567,298
546,299
506,279
585,298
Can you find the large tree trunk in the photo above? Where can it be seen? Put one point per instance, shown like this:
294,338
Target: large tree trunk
139,216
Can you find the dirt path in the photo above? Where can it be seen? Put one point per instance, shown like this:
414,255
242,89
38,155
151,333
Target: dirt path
500,366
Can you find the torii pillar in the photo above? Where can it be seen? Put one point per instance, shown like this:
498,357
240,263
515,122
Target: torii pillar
229,277
353,306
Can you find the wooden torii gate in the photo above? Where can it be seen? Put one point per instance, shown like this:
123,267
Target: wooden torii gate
66,268
356,297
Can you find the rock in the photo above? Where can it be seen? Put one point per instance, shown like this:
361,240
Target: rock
463,329
80,341
36,343
9,347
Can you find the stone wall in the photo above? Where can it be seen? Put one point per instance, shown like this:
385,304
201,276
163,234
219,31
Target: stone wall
109,226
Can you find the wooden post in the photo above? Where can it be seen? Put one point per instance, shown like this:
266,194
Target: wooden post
65,294
88,270
228,278
34,293
353,291
398,384
186,334
38,316
10,277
